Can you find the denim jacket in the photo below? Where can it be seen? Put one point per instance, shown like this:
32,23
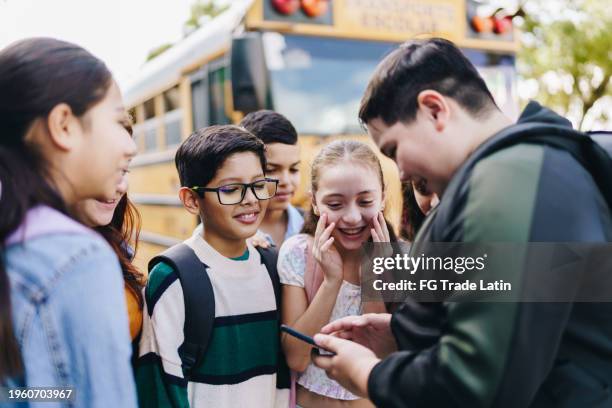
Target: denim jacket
69,311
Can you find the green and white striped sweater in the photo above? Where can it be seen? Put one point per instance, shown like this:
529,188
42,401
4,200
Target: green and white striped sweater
240,365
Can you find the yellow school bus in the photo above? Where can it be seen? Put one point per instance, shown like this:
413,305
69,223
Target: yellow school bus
307,59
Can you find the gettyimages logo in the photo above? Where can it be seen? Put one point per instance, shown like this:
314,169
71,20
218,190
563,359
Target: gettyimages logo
492,272
412,265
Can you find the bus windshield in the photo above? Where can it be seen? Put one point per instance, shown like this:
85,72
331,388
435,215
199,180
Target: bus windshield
317,83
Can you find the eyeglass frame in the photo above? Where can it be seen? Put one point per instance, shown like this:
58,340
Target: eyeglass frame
199,190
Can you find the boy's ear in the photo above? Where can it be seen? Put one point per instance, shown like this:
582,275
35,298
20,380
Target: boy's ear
435,107
189,200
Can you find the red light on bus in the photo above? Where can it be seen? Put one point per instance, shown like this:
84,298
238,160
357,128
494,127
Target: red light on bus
286,7
315,8
482,24
502,25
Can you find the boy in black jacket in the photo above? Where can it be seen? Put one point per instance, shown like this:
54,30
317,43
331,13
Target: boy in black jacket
427,108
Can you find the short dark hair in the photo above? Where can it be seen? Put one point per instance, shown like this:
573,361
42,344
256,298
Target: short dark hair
270,127
415,66
203,153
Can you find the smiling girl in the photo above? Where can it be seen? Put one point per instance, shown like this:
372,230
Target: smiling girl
118,221
320,268
62,140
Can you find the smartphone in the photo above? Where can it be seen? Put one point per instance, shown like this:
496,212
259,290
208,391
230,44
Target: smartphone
307,339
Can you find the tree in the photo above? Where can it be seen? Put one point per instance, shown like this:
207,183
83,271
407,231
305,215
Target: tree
155,52
567,50
203,8
199,10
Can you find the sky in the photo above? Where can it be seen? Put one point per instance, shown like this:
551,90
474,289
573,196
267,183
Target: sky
120,32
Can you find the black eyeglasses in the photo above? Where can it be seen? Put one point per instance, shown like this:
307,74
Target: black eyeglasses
234,193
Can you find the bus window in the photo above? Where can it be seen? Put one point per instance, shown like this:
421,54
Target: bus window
172,116
150,139
172,99
317,83
149,109
208,95
149,126
499,73
199,98
216,84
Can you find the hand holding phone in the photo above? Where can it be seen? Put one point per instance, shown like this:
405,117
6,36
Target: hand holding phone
307,339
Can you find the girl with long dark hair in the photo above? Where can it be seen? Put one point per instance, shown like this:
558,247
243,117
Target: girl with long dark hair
62,140
418,203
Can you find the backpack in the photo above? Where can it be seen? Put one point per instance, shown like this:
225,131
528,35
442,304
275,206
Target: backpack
199,298
313,275
589,153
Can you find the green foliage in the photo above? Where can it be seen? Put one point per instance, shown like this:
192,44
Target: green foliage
567,49
201,8
155,52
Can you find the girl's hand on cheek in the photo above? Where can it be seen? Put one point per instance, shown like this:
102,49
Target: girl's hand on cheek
380,232
325,252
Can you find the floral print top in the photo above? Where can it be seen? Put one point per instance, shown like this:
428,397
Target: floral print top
291,267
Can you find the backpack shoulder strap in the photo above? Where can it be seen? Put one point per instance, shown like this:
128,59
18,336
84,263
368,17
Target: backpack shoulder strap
199,299
313,275
269,258
581,146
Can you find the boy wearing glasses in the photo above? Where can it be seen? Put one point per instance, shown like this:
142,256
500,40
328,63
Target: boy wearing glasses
221,169
282,220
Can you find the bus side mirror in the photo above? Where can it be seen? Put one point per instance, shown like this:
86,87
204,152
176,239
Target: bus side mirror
250,84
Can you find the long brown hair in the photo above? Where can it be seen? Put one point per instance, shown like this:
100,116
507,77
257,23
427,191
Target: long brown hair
36,75
122,234
412,216
333,154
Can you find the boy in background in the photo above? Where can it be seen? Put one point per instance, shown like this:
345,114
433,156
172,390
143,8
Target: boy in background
282,220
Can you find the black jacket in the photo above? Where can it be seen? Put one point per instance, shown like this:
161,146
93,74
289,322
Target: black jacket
508,354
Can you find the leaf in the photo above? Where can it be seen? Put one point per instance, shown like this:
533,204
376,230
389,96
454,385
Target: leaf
574,43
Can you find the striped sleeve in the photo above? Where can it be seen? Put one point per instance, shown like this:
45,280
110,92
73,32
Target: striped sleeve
159,376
